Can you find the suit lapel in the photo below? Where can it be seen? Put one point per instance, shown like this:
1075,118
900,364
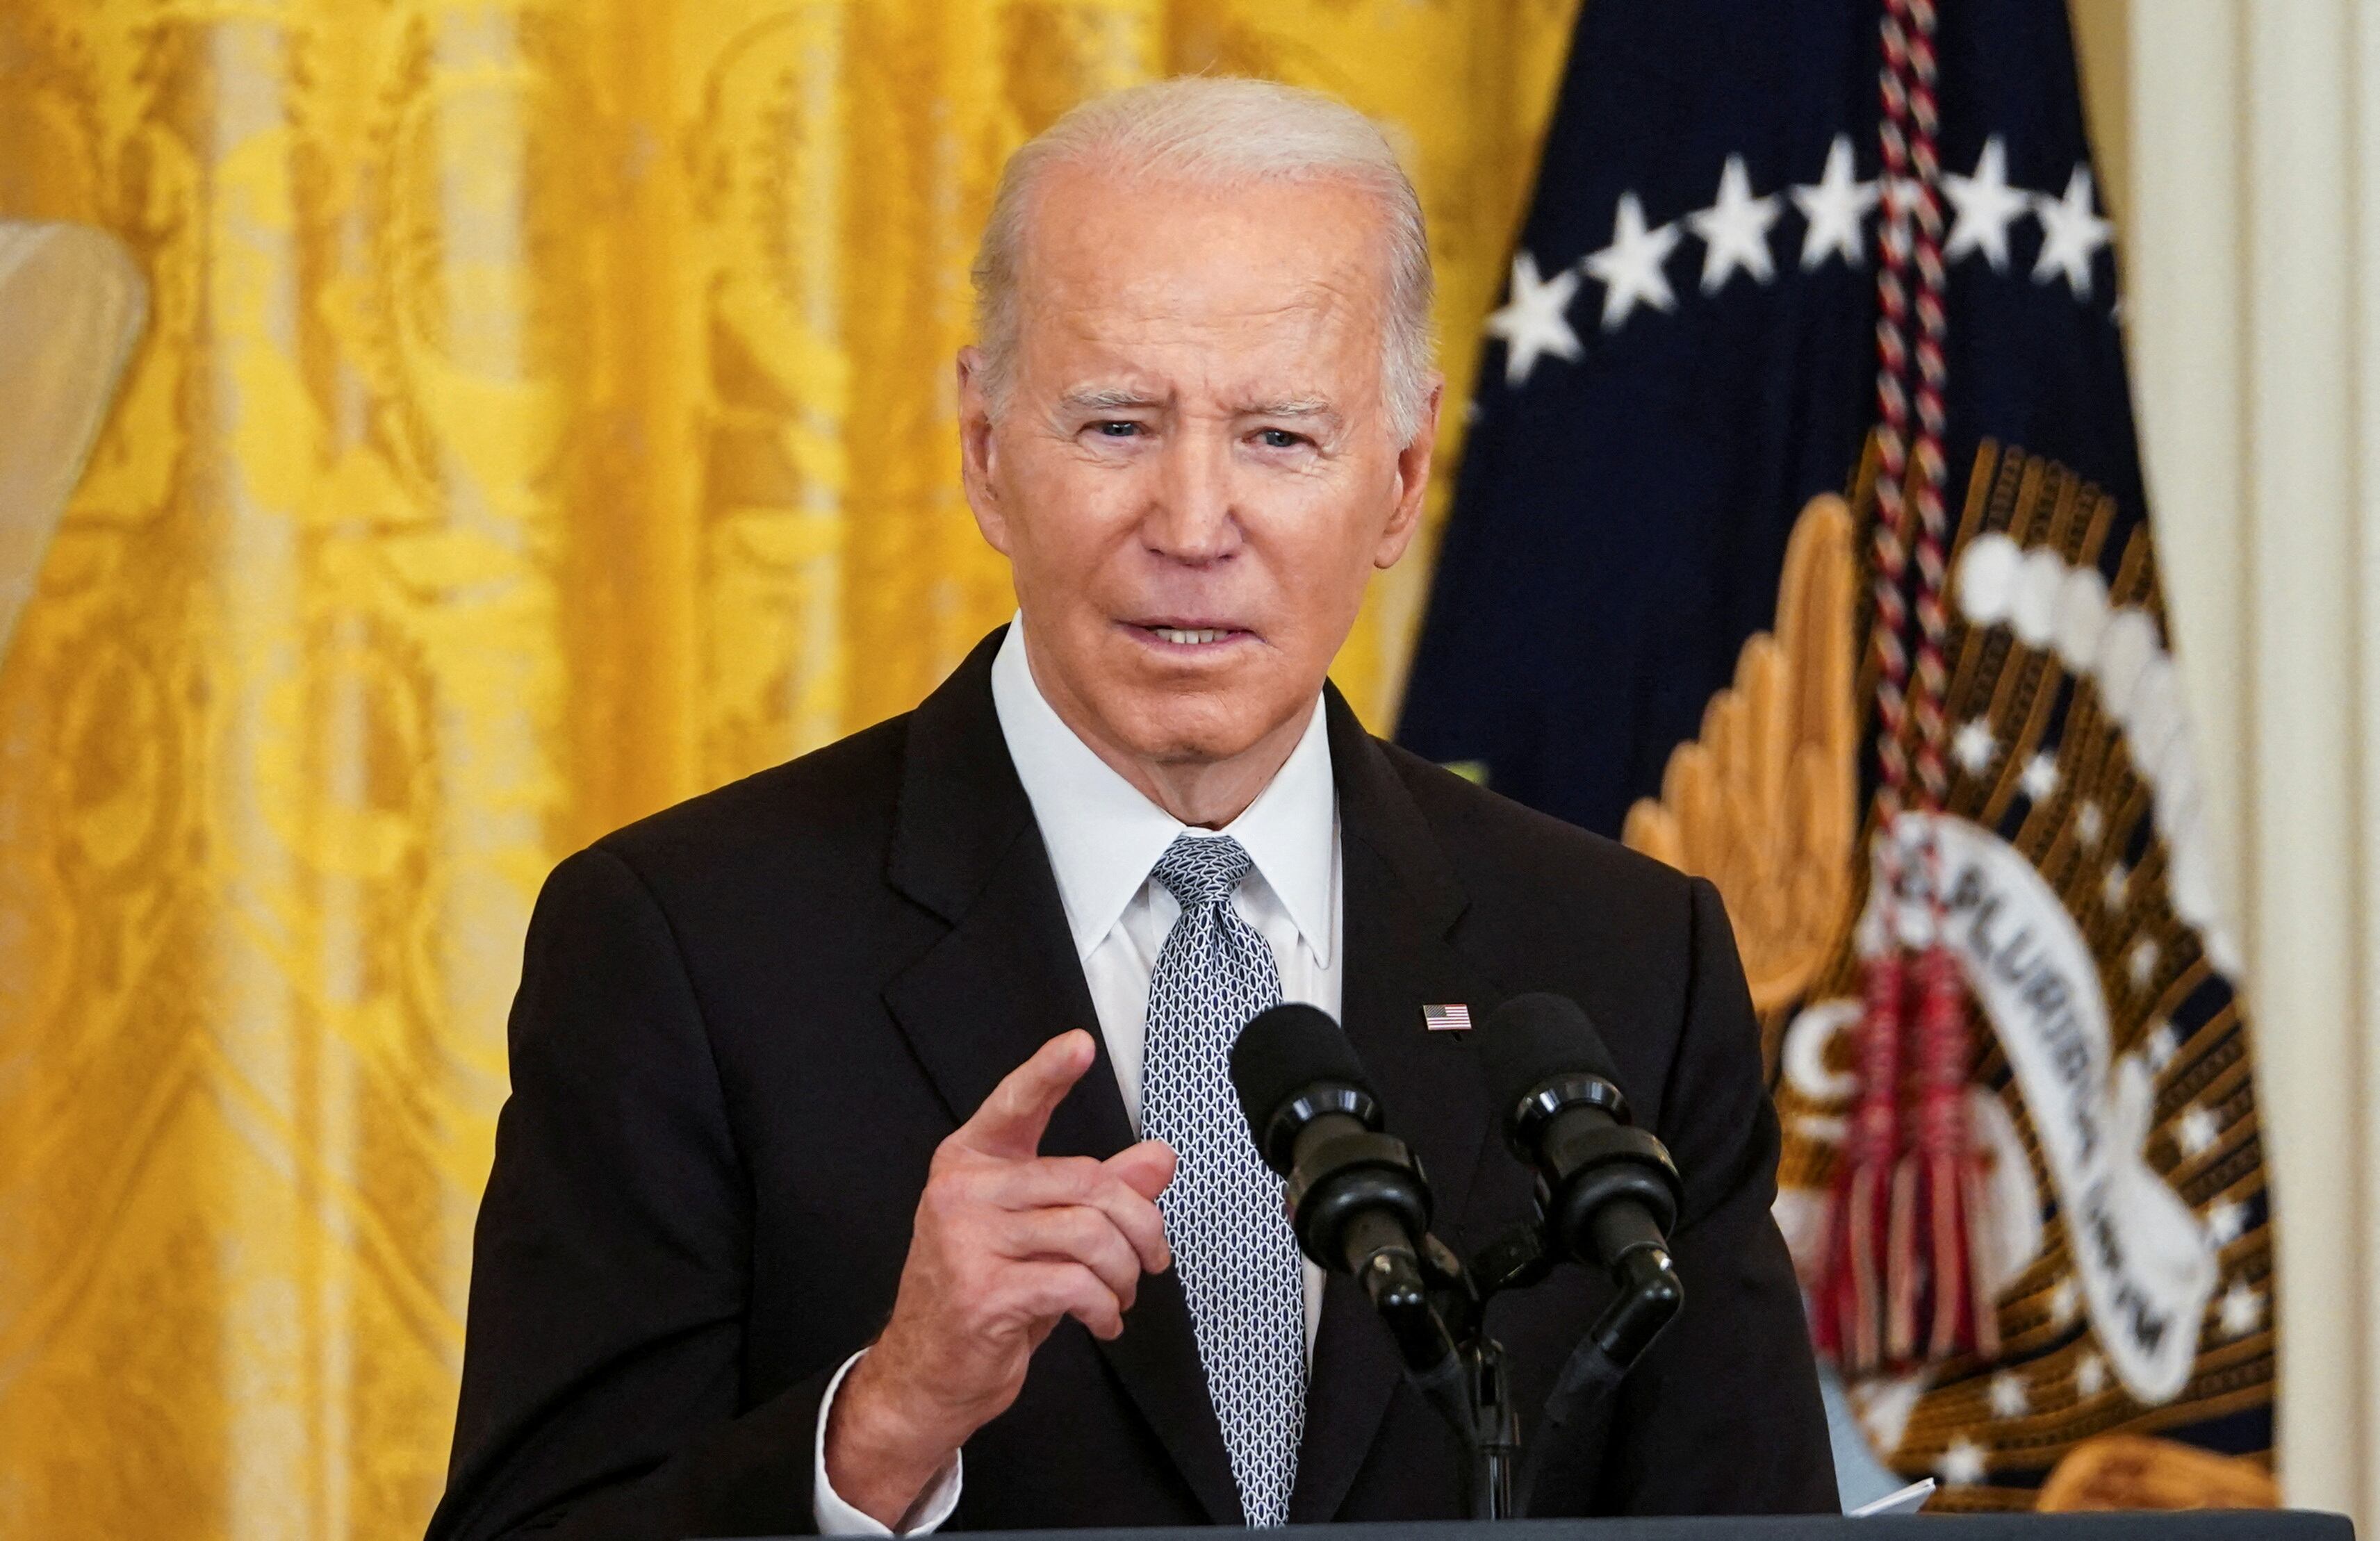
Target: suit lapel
1002,981
1402,899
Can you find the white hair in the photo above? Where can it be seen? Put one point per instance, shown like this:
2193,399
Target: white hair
1222,130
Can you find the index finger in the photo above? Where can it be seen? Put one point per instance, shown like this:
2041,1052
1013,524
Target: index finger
1013,1117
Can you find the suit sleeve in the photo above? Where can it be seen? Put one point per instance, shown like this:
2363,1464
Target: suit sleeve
1722,1414
602,1360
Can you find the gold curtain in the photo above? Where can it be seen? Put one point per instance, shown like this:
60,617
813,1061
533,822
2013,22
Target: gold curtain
545,414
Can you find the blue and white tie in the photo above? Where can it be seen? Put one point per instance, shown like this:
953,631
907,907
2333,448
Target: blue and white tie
1223,1214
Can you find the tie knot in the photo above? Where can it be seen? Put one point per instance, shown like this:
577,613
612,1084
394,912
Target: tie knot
1202,869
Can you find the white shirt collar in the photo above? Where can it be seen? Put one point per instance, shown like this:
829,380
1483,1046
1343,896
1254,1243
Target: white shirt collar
1103,836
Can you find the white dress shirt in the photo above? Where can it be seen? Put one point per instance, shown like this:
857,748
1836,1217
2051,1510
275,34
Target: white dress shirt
1103,837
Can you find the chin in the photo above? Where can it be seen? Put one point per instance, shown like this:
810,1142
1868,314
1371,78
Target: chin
1195,729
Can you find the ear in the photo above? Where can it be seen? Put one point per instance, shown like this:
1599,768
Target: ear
978,451
1412,481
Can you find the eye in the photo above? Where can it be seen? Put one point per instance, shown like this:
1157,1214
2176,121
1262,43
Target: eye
1279,438
1116,427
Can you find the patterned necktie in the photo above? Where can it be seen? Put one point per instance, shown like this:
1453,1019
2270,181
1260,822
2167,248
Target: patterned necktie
1224,1213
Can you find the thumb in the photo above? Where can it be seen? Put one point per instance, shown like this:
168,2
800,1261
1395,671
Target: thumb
1011,1121
1146,1168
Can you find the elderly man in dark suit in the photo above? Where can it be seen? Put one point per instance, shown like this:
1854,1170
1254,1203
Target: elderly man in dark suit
871,1163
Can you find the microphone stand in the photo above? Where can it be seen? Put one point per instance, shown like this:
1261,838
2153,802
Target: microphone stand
1495,1448
1440,1329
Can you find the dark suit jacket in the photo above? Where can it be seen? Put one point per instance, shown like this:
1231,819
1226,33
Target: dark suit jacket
745,1023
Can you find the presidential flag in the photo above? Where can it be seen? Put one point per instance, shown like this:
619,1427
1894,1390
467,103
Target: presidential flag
1801,538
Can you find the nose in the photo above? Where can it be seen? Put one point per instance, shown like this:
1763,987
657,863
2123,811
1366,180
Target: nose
1191,518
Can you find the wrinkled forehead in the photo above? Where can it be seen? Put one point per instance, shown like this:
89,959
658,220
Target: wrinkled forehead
1297,265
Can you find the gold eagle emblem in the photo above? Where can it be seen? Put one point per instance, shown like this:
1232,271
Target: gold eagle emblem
1764,802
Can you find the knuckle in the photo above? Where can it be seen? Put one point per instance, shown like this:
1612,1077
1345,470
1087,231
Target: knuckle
936,1206
1085,1229
951,1164
1078,1174
958,1184
1114,1249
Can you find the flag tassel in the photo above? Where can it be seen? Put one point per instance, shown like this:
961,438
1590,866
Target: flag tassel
1850,1319
1938,1187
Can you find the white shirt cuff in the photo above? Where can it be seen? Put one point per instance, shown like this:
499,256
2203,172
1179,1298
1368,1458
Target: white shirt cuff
928,1512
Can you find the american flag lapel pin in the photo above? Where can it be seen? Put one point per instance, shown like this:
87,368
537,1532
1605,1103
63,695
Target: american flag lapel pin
1455,1018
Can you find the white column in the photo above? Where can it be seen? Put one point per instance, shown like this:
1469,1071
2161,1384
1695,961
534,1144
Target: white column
2256,147
2361,58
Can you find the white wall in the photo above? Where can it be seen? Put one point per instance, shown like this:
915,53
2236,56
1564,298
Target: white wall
2253,142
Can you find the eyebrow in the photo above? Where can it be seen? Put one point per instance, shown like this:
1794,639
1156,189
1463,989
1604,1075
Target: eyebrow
1116,398
1109,398
1294,407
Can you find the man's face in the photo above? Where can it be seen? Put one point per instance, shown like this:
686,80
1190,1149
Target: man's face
1195,472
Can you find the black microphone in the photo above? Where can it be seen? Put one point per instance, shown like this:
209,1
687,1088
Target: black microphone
1607,1192
1357,1198
1606,1188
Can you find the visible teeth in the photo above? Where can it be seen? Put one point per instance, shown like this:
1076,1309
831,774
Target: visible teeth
1185,639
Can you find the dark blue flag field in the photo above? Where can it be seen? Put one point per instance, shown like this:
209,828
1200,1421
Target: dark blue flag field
1800,539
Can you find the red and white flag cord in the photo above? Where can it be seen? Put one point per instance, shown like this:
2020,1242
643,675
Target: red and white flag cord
1900,1283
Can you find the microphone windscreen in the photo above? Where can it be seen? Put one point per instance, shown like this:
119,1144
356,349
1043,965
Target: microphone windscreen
1531,1038
1282,1052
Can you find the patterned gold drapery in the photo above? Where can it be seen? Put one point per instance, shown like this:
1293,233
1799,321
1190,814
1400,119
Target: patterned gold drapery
545,415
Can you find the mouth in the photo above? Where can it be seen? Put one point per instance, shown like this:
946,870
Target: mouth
1189,634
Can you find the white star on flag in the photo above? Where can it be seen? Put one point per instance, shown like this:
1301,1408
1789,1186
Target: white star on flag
1630,268
2117,887
2039,780
2227,1221
2072,231
2064,1301
1974,747
1532,321
2242,1310
2090,1376
2089,822
1734,229
2007,1396
2163,1045
1961,1464
1985,203
1834,206
2197,1130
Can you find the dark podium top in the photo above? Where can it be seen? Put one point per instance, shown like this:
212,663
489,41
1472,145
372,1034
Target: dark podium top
2164,1525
